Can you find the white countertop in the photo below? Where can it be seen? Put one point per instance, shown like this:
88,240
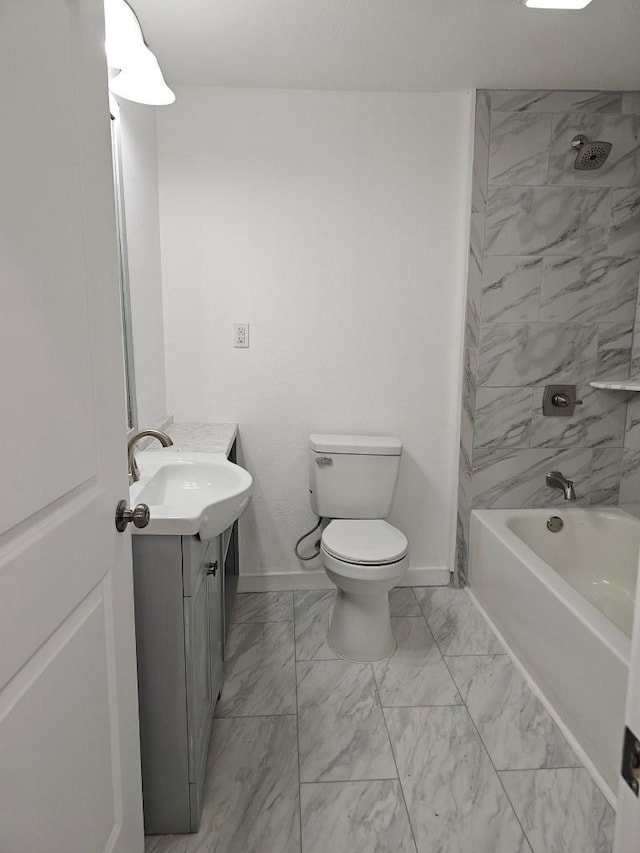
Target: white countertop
203,438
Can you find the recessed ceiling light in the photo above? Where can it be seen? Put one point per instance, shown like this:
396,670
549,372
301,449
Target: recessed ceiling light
555,4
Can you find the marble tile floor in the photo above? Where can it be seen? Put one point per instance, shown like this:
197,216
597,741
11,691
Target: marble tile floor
443,748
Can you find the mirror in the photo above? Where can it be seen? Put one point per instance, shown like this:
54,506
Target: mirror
123,275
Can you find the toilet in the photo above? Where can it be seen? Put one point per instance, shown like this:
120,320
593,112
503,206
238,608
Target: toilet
352,479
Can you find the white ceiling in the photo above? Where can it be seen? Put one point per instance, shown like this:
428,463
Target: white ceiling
393,45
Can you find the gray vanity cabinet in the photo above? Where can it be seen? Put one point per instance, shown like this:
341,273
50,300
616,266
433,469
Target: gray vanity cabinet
179,636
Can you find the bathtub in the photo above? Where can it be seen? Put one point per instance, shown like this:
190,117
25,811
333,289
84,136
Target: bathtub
563,603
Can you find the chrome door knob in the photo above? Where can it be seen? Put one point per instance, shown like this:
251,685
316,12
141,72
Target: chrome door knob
139,515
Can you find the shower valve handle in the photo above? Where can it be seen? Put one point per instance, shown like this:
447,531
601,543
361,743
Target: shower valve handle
562,401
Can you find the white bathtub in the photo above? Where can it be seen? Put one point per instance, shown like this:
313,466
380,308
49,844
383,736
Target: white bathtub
563,602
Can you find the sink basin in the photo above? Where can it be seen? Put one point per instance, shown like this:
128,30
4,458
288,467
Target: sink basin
190,493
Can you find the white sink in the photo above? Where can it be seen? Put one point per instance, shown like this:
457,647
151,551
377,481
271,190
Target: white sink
189,493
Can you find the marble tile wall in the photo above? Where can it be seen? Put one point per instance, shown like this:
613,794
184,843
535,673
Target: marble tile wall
479,187
554,269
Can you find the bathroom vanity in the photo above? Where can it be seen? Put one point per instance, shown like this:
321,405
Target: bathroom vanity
179,634
181,620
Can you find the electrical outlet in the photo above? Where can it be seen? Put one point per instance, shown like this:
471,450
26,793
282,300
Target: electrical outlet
241,334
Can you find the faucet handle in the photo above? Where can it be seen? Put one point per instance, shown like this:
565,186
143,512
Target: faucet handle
559,401
562,401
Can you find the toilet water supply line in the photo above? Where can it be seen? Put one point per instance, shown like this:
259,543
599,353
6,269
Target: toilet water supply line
316,546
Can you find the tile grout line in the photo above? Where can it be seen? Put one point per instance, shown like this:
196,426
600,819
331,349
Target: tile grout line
348,781
314,659
386,727
484,747
423,705
295,670
480,655
261,621
319,660
422,616
544,769
435,639
415,598
258,621
252,716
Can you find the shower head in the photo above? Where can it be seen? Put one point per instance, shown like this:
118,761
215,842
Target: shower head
591,155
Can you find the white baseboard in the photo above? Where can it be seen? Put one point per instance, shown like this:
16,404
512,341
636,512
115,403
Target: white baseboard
278,581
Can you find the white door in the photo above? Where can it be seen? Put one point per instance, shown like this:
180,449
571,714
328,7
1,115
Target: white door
628,814
69,752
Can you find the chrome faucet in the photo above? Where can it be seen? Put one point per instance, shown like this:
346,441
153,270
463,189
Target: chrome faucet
163,438
557,480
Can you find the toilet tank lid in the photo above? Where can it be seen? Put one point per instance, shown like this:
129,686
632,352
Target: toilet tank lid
374,445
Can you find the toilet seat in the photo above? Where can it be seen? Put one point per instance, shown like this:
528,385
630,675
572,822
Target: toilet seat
364,542
372,574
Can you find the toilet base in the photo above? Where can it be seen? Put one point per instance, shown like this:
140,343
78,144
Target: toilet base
360,627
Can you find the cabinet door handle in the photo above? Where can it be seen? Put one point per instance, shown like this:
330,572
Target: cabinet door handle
211,568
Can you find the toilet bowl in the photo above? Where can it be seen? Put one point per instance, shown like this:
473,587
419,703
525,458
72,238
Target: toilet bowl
365,559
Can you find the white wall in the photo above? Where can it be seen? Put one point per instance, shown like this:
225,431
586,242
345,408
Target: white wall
335,224
140,180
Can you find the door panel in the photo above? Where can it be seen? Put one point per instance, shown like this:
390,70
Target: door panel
199,680
216,629
195,553
73,687
38,590
48,281
70,768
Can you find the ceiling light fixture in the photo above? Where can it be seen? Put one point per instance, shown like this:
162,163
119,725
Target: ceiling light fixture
555,4
140,78
142,82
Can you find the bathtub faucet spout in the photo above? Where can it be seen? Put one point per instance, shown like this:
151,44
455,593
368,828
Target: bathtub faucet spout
557,480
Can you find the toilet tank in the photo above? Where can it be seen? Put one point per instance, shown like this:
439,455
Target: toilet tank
353,476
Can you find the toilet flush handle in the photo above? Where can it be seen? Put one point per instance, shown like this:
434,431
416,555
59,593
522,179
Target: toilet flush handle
324,460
